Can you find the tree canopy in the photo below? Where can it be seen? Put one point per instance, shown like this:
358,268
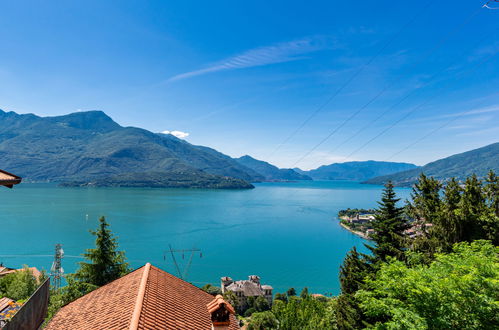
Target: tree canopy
106,262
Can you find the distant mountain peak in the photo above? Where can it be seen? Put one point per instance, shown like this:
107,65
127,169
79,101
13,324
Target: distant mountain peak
96,120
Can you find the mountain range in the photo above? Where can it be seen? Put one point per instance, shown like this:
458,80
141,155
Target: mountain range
90,148
478,161
269,171
356,171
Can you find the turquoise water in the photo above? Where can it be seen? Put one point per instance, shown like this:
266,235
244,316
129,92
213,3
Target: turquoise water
285,232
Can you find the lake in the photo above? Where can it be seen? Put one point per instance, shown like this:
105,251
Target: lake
287,233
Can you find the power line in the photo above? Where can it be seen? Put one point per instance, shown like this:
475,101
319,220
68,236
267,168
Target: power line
359,131
487,5
439,44
453,119
349,80
406,115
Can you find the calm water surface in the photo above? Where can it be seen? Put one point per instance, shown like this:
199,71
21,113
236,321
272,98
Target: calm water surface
287,233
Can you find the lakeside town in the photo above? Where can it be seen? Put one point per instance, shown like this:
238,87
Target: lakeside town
359,222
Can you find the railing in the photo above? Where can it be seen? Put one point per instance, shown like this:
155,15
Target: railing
32,314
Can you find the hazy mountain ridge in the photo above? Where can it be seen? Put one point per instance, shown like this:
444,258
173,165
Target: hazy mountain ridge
269,171
356,171
477,161
87,145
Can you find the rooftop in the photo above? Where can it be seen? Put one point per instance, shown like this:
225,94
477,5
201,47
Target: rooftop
8,179
147,298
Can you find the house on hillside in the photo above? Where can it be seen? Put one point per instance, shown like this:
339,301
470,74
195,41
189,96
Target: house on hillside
8,179
245,289
147,298
6,271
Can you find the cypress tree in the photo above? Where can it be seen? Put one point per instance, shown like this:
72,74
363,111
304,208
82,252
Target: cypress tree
389,225
106,263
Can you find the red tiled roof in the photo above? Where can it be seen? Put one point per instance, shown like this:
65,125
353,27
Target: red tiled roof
147,298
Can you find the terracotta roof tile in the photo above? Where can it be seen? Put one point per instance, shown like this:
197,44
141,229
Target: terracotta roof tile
167,302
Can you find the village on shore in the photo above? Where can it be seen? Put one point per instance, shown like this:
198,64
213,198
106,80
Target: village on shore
359,222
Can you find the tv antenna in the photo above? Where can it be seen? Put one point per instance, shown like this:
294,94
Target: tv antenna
56,271
189,252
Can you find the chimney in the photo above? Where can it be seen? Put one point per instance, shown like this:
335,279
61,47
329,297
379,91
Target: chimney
225,281
220,311
255,279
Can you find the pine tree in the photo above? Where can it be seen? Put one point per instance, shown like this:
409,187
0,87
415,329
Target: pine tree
389,225
472,209
304,293
491,222
425,199
348,312
450,228
106,263
492,192
352,272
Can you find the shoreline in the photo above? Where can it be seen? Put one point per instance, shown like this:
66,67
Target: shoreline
358,233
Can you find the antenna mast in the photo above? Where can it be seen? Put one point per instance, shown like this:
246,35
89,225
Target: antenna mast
56,271
182,274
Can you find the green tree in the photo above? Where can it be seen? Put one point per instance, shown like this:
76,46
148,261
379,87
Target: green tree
353,272
425,199
492,192
263,321
389,225
305,313
304,293
458,290
449,229
291,292
106,263
73,290
472,210
281,296
231,298
19,285
211,289
261,304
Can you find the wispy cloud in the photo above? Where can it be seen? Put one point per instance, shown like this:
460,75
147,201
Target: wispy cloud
179,134
278,53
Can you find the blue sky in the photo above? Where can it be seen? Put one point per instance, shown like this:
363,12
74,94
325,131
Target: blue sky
241,77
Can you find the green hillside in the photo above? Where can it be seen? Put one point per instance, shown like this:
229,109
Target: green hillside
357,171
84,146
477,161
269,171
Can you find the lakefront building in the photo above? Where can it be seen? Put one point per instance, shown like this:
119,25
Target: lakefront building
244,289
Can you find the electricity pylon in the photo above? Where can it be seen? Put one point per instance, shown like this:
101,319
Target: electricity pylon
56,271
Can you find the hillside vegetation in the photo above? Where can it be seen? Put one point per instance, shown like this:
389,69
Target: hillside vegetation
478,161
269,171
87,146
357,171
